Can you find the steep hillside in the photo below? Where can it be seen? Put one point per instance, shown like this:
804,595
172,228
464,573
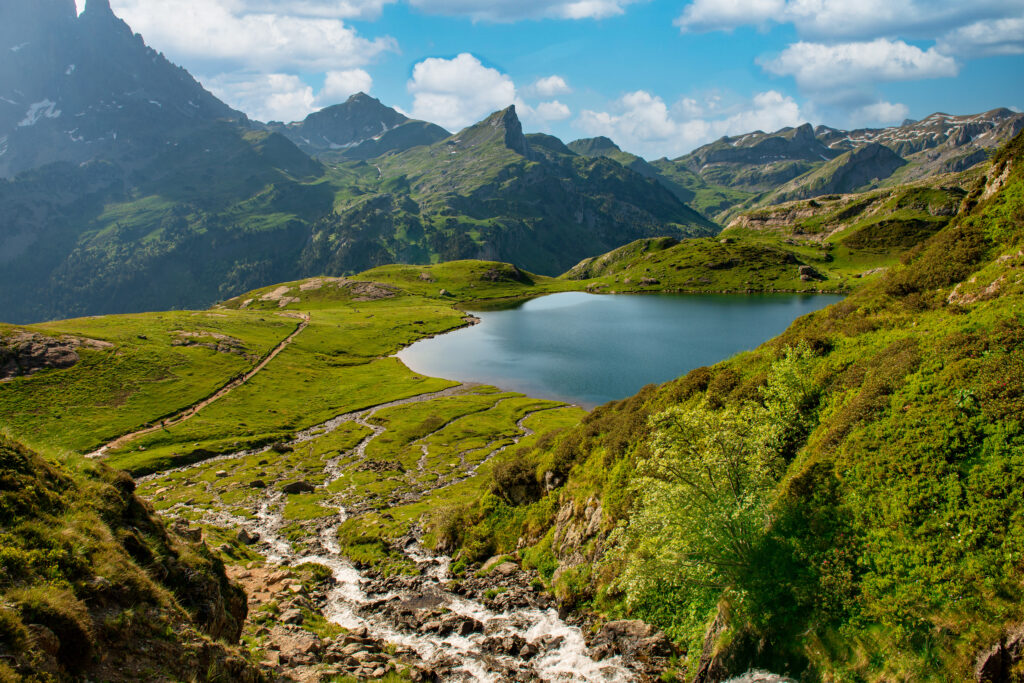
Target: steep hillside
491,192
843,503
95,587
76,88
825,244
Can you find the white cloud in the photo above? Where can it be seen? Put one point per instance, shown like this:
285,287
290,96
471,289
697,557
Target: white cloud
879,114
457,92
552,111
267,97
550,86
725,15
844,18
285,97
819,67
983,38
339,85
644,124
513,10
338,9
228,31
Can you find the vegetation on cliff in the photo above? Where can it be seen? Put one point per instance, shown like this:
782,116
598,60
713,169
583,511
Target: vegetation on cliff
844,502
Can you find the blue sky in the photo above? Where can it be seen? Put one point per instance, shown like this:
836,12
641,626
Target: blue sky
659,76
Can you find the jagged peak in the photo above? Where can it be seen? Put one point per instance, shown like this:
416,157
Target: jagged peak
505,120
98,7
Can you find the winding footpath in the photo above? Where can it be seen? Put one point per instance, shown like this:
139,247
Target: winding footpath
192,410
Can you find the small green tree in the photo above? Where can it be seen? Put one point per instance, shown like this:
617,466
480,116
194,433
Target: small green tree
706,496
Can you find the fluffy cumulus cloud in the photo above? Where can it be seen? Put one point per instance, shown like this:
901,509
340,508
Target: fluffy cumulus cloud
339,85
848,48
457,92
513,10
552,111
838,19
267,97
550,86
644,124
285,97
819,66
983,38
880,114
272,37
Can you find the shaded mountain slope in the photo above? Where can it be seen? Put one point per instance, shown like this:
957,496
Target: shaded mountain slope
75,88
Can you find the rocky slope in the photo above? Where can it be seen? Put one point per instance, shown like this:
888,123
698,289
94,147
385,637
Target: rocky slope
95,587
830,243
490,192
360,128
75,88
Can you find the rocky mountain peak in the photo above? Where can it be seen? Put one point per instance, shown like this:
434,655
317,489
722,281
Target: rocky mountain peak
98,7
804,134
508,120
594,146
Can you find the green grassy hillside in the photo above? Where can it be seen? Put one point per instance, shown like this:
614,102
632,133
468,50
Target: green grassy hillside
831,243
843,503
227,209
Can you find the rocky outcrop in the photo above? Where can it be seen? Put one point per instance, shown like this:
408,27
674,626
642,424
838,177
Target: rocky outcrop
26,353
635,641
1000,663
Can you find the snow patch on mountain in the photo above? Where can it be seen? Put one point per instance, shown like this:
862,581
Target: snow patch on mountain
38,110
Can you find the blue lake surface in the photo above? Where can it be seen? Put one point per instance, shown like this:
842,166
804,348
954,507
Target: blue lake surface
590,349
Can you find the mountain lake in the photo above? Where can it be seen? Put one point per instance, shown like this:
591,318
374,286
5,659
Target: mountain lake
589,349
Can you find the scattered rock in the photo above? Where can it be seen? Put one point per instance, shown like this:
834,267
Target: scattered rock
245,537
809,274
291,616
26,353
298,487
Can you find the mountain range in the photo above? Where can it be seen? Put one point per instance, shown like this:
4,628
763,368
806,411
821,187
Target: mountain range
126,186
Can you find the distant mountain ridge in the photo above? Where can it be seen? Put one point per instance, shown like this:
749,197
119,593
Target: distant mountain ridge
741,172
359,128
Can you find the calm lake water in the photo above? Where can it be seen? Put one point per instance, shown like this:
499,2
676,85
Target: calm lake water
588,349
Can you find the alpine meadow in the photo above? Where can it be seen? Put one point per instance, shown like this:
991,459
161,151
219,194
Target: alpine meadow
225,457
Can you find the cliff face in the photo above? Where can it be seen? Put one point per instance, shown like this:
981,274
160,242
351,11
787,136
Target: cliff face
94,586
75,88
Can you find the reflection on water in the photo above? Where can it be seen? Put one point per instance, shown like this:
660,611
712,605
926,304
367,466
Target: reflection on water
590,349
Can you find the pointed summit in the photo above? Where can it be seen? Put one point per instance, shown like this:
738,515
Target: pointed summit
503,125
98,8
